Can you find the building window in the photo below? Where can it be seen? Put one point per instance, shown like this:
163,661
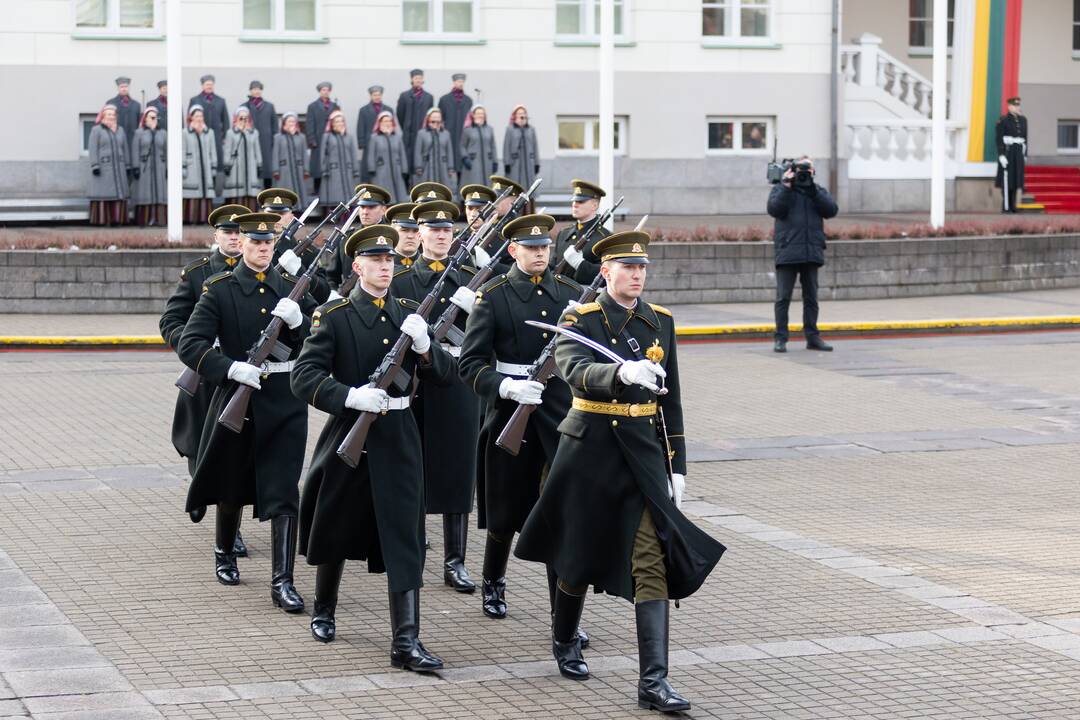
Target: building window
581,135
921,23
86,124
122,17
448,19
739,135
580,19
273,17
736,19
1068,136
1076,27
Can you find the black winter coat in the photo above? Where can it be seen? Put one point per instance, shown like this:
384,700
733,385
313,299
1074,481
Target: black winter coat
799,233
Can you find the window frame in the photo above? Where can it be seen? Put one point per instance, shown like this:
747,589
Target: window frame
437,36
623,121
1068,150
112,29
590,35
277,31
733,15
736,134
84,137
928,50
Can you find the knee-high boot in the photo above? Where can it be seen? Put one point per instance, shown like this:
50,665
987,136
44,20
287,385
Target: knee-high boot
455,538
565,645
552,583
654,690
227,522
327,581
283,557
496,557
406,651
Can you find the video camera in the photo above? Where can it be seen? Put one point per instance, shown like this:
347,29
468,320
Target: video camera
804,172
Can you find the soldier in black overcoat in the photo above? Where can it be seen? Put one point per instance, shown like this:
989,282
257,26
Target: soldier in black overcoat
283,202
373,202
584,204
1010,136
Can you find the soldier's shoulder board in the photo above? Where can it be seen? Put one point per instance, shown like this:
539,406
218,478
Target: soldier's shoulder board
661,309
214,278
291,278
588,308
568,282
492,284
408,303
327,308
469,269
403,270
192,265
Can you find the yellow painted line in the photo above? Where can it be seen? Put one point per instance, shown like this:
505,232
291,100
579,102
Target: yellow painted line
67,340
888,325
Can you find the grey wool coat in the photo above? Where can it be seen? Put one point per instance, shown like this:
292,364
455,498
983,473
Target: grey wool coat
242,163
149,156
433,158
289,164
387,165
478,154
520,154
109,155
200,163
340,163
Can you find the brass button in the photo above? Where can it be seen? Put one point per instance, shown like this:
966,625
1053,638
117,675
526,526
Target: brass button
614,340
442,299
383,318
614,423
539,292
650,421
545,335
262,310
385,341
262,290
543,313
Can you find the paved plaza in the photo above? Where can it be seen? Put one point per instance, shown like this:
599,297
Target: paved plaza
901,517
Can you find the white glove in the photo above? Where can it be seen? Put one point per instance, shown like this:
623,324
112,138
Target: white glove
288,311
245,373
366,399
572,307
523,392
1003,160
333,296
573,256
417,328
641,372
678,486
482,256
290,262
464,298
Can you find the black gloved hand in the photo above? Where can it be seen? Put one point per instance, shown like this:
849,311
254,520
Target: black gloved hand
96,171
136,172
507,169
536,169
467,162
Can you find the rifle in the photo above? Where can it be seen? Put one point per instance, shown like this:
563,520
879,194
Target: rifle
331,217
485,213
267,344
297,223
598,222
390,372
444,327
542,371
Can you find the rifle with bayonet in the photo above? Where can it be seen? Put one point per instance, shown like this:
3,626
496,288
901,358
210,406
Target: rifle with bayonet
485,212
598,222
267,345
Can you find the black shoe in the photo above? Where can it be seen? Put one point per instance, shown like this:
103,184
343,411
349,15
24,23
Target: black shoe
583,638
565,645
225,568
283,556
197,514
494,598
455,538
327,581
226,525
239,548
815,342
654,690
779,345
407,652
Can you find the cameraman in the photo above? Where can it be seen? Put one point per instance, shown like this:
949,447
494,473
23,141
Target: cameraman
800,206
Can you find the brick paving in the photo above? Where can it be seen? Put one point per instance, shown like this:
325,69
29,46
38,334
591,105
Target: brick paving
899,516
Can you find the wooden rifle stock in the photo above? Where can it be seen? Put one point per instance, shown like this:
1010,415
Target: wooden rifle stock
598,222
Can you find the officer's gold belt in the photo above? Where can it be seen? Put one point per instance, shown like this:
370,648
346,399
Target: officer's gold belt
621,409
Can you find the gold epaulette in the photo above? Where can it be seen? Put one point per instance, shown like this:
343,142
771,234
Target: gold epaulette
588,308
214,278
192,265
327,308
661,309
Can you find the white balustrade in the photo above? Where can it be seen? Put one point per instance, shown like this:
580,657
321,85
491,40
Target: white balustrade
866,65
895,149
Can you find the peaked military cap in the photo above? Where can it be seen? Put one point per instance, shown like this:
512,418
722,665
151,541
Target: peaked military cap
372,194
428,191
277,200
372,240
258,225
498,182
630,247
477,195
457,76
532,230
123,80
401,215
436,213
225,216
584,190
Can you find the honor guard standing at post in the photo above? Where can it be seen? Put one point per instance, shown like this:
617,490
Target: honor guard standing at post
191,410
373,201
374,512
282,202
261,464
496,357
584,204
448,417
407,250
1010,134
608,515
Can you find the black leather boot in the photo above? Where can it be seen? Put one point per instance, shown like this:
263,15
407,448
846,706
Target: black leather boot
239,548
552,582
779,345
493,589
565,645
814,342
654,690
227,522
197,514
455,538
327,581
283,556
407,652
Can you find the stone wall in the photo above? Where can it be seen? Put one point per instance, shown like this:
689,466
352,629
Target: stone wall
138,281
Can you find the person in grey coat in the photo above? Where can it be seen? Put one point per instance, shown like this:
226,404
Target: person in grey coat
109,172
384,158
148,154
365,125
340,162
289,160
215,116
318,113
200,166
478,151
265,122
520,151
242,161
433,154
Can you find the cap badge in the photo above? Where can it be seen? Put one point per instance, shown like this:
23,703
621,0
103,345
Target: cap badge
366,195
277,200
579,190
536,230
637,248
382,241
431,193
232,217
474,195
441,215
496,186
262,227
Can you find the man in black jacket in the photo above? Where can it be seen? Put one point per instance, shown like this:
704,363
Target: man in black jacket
800,207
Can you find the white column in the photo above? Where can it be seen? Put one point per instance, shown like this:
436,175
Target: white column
937,137
606,175
173,63
960,82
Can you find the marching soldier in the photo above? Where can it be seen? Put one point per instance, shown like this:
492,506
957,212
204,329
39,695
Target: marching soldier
476,197
282,202
430,190
448,417
1010,134
373,201
496,357
584,204
191,411
608,515
406,252
376,511
260,465
498,182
